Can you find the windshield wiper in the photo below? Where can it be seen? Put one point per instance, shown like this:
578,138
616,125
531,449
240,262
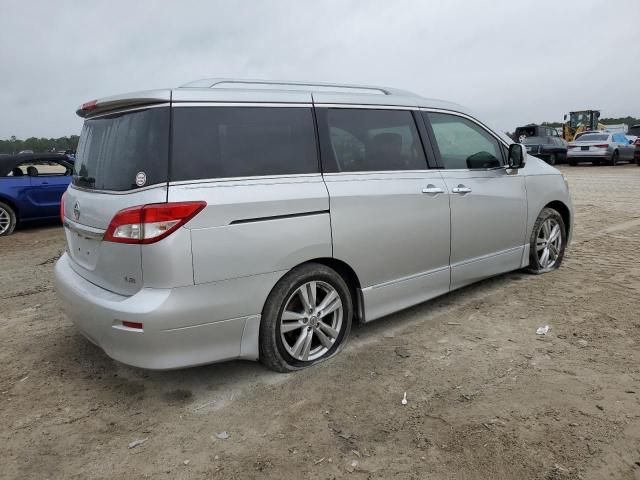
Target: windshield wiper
88,181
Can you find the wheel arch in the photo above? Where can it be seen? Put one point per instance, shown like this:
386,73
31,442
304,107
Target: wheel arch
349,275
12,204
564,212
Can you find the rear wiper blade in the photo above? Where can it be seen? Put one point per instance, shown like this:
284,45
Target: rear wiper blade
86,180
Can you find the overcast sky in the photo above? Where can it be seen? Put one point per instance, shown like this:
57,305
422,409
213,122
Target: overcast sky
511,61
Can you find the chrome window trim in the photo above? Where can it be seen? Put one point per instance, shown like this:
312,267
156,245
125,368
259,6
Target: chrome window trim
381,172
176,183
209,103
119,192
127,109
84,230
409,108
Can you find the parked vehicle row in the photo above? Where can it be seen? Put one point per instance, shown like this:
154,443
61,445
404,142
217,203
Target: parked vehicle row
233,219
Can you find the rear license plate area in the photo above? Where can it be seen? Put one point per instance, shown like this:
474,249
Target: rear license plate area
584,148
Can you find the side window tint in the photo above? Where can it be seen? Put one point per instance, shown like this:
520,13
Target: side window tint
463,144
222,142
364,140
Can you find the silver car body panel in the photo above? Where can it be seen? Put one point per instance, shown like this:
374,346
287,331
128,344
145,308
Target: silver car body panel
115,267
256,226
200,292
394,236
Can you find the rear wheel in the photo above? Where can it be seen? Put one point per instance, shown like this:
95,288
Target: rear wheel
614,158
572,163
547,243
552,159
7,220
306,318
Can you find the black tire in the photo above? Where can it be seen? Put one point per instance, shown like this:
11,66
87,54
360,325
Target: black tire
572,163
552,159
535,265
273,353
614,158
7,214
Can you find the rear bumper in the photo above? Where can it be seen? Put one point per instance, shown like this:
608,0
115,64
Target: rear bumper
183,326
587,156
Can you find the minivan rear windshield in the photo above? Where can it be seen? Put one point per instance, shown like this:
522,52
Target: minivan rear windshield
123,151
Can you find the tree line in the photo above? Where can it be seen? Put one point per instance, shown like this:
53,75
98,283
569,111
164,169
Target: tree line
605,121
14,145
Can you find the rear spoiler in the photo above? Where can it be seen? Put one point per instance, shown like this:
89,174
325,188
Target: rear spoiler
136,99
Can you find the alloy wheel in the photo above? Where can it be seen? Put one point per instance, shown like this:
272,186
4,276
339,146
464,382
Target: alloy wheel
5,220
548,243
311,321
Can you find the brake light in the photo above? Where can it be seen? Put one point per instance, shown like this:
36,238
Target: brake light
150,223
62,207
602,145
571,146
92,105
637,142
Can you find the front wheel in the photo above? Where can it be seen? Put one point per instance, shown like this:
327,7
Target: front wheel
306,318
547,243
552,159
7,220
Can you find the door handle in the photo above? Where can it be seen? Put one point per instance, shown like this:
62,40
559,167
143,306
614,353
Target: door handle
461,189
432,189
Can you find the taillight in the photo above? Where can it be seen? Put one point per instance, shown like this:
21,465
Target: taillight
150,223
62,207
571,146
134,325
602,145
637,142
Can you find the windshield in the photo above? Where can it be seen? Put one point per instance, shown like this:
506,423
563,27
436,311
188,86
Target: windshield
593,137
536,141
123,151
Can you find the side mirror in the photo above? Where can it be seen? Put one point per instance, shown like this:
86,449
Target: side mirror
517,155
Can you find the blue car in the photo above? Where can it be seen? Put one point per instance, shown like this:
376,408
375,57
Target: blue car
31,186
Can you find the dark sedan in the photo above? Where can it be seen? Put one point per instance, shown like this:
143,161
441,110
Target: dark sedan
550,149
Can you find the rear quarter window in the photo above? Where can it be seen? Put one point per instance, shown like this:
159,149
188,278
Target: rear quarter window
223,142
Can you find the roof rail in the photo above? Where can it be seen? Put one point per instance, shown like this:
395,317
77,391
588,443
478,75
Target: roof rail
221,82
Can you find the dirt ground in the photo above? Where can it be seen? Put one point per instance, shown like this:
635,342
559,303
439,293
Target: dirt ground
487,397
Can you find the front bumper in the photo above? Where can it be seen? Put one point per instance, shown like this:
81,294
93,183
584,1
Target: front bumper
183,326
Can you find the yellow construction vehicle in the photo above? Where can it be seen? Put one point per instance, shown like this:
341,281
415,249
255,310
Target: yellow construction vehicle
580,121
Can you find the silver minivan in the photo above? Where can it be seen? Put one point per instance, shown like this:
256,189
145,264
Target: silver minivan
257,220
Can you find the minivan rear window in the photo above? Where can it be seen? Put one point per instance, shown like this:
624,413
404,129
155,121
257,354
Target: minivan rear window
222,142
123,151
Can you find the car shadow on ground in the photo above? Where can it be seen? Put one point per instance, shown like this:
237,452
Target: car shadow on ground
215,385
